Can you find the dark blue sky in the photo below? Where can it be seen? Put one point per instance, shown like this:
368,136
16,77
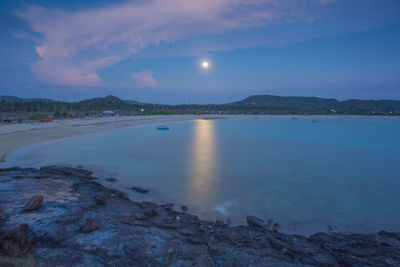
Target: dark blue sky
151,51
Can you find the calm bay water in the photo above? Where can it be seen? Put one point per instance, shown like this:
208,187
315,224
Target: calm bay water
338,171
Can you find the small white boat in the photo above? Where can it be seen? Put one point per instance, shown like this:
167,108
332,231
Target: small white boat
162,127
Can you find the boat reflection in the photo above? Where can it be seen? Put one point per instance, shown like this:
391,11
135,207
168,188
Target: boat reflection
203,160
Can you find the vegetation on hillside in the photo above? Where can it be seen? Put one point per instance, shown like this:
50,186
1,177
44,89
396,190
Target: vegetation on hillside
258,104
319,105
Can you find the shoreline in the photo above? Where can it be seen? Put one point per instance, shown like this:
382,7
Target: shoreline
14,136
74,220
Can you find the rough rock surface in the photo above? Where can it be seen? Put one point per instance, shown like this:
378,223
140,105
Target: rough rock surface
86,224
140,189
111,179
34,203
254,222
90,226
15,242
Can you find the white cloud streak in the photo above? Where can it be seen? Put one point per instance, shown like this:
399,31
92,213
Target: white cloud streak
75,45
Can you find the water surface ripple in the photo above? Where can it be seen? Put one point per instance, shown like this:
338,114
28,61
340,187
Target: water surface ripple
338,171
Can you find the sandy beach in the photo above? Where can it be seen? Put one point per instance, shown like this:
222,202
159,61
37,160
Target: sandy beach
13,136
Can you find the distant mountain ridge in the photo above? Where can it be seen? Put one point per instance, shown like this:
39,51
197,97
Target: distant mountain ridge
318,104
256,104
14,99
132,102
12,104
108,102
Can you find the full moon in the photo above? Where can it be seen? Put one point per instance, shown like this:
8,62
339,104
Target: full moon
204,64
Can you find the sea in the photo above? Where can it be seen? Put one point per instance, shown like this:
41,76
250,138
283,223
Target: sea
306,173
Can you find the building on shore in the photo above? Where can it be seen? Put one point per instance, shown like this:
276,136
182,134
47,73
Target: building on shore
109,113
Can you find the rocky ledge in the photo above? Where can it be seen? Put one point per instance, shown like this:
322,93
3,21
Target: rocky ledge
58,216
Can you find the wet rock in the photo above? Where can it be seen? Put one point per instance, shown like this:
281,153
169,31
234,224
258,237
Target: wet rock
67,171
147,204
220,223
15,242
331,229
12,169
140,189
276,227
167,223
90,226
148,234
34,203
33,170
150,212
127,219
168,206
184,208
270,222
19,176
42,176
361,250
141,216
115,193
111,179
101,199
137,219
254,222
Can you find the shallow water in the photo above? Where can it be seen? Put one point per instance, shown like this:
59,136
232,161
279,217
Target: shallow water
338,171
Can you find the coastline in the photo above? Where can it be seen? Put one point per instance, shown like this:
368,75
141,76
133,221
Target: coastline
13,136
69,219
95,225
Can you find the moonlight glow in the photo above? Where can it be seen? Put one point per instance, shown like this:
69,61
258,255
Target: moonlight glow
204,65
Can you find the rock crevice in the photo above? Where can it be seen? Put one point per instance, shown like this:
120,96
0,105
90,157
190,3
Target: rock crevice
75,221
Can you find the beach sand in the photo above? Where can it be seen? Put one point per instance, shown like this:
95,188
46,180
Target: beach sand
13,136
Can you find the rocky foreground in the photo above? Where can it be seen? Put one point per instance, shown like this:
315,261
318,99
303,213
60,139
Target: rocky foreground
57,216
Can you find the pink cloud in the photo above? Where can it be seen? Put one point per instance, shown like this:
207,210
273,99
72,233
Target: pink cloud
75,45
145,78
63,74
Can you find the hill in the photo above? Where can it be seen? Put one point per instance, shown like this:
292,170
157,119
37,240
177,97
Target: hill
102,103
132,102
318,105
15,104
14,99
256,104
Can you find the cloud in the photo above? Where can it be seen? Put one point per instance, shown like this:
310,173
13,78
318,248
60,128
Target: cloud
76,44
145,78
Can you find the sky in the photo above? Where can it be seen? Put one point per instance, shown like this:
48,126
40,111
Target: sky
151,50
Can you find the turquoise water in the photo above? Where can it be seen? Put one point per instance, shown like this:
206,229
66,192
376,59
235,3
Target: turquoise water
305,175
